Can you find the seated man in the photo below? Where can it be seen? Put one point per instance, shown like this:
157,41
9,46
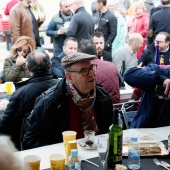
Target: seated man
75,103
149,53
127,52
22,101
153,111
70,46
106,75
98,40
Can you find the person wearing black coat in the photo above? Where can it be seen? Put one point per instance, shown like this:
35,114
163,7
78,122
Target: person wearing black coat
22,100
75,103
148,55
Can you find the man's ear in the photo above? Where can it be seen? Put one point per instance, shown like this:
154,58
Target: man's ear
68,77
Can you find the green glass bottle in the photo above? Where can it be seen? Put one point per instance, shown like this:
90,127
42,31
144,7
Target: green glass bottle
115,142
123,68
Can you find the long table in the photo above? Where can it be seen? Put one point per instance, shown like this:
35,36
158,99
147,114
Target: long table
155,134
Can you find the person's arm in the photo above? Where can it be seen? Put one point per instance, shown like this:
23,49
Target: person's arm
72,30
151,30
113,31
57,68
117,59
148,77
11,117
15,24
11,70
144,29
51,29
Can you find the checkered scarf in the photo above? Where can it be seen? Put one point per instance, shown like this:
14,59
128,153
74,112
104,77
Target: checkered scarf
85,105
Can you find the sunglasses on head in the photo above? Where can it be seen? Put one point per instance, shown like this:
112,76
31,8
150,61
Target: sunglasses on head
25,51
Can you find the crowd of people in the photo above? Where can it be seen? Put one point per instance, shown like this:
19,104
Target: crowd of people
77,87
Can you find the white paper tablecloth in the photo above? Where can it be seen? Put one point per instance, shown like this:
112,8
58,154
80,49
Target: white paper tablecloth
158,134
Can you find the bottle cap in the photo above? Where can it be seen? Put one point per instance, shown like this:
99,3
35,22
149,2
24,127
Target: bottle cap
74,152
134,139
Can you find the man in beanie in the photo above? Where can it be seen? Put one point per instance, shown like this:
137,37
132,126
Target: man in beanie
75,103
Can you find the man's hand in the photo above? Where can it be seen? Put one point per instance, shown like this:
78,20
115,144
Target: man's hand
60,31
166,83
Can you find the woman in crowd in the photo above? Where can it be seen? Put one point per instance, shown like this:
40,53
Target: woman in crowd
14,66
140,25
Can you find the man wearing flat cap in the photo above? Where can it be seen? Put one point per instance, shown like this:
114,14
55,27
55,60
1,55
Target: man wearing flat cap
75,103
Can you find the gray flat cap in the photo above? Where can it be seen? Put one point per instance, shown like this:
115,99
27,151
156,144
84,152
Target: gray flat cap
76,58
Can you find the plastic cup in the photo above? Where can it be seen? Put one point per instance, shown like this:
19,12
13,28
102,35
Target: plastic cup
67,136
9,87
57,162
70,145
33,162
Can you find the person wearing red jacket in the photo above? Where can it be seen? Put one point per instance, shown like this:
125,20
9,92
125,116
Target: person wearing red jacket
140,25
9,6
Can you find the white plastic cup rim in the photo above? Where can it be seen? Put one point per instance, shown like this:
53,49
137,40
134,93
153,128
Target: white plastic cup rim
69,133
57,157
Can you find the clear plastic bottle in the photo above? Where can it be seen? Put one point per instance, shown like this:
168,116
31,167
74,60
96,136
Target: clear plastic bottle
134,154
169,142
74,162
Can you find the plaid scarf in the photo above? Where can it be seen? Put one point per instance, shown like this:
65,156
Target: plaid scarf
85,105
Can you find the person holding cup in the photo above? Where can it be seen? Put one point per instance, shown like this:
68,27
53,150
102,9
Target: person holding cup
76,103
14,66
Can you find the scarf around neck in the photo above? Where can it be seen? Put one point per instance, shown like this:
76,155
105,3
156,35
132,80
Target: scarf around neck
66,18
85,104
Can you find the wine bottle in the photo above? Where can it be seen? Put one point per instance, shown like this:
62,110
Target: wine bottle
123,68
115,142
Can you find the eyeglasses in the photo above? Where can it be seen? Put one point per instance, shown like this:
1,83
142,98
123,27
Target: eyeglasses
85,71
25,51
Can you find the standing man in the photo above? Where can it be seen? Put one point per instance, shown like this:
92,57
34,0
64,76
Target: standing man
98,40
75,103
127,52
70,46
56,25
159,21
9,6
81,25
23,22
105,22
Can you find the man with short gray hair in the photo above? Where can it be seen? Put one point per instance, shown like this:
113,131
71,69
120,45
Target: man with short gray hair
127,52
22,100
75,103
81,25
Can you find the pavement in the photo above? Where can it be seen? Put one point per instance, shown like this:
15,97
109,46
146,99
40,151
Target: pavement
3,54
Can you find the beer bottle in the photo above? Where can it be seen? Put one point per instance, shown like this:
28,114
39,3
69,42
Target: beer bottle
115,142
123,68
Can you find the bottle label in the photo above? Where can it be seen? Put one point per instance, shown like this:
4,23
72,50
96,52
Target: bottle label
134,154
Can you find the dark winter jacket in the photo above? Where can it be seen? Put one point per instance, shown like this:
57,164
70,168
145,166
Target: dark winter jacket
153,112
107,24
21,104
81,25
148,56
51,116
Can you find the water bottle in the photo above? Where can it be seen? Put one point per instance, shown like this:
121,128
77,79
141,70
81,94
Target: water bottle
74,162
169,142
134,154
